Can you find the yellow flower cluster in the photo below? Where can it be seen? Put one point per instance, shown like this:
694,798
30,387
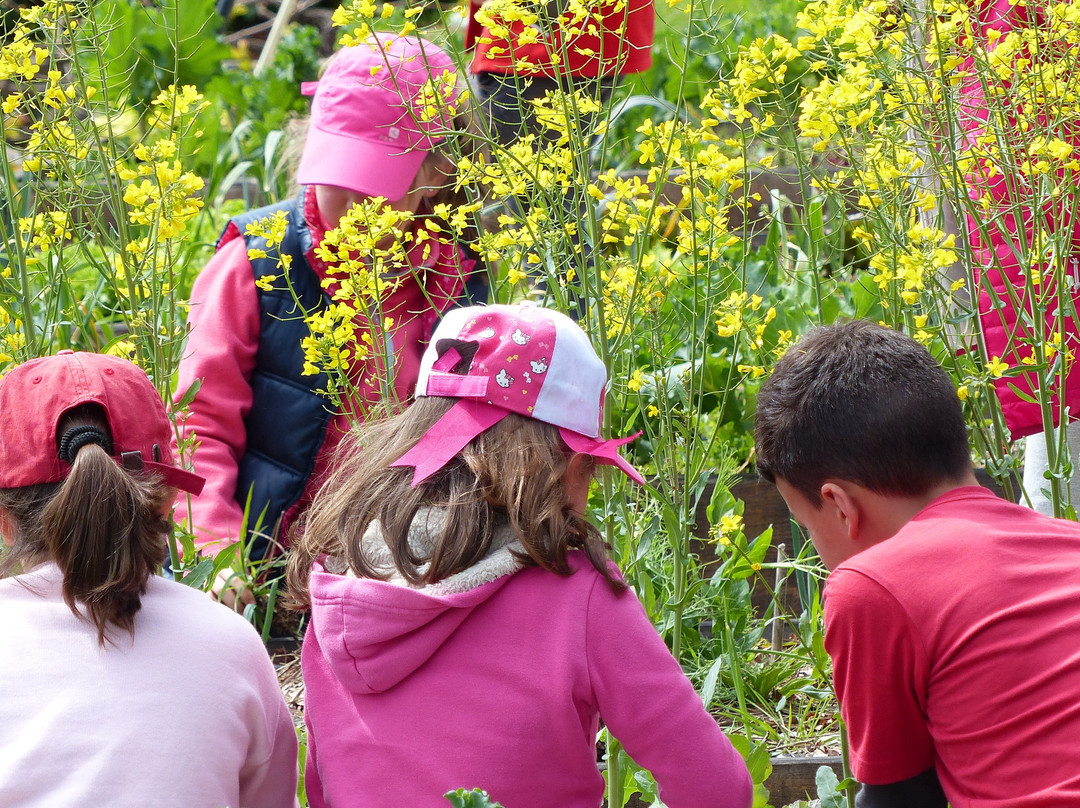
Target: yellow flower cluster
368,255
272,230
164,199
358,17
21,57
44,232
908,267
743,318
50,146
332,344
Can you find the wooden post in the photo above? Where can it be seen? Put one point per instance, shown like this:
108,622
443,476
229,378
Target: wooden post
277,30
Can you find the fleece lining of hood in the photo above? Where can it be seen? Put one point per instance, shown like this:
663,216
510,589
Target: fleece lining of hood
427,525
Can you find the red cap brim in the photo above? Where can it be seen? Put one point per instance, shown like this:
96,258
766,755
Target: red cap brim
178,478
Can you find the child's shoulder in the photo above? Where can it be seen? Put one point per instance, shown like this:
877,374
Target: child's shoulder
585,583
185,609
579,563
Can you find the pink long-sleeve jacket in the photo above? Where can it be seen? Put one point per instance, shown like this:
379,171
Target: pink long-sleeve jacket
411,694
221,349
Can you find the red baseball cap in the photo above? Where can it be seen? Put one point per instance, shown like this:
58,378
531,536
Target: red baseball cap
36,394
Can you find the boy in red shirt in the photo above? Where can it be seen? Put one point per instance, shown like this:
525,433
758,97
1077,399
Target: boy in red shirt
952,616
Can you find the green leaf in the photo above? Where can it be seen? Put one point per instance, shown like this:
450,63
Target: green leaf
828,788
708,687
189,394
760,546
470,799
199,574
721,503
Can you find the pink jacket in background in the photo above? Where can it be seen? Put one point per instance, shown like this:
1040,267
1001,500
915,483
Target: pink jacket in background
1002,236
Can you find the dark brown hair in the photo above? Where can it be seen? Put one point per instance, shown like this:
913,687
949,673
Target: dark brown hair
859,402
513,470
102,525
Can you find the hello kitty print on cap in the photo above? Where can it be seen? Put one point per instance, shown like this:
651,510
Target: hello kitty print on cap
502,359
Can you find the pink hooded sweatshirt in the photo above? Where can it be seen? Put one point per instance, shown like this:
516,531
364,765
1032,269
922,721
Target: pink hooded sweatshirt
499,685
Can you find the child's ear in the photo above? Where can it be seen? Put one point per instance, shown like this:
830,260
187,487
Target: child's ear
845,506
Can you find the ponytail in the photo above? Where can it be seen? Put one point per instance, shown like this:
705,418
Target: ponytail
102,526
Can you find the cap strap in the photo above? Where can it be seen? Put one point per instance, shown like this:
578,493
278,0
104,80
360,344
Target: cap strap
82,435
448,436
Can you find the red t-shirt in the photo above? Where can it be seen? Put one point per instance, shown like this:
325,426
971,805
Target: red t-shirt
956,645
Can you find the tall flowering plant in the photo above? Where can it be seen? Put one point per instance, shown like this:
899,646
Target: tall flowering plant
949,132
96,199
96,203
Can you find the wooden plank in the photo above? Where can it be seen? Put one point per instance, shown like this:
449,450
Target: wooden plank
792,779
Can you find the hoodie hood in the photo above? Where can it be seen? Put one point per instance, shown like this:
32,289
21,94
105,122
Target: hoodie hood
375,633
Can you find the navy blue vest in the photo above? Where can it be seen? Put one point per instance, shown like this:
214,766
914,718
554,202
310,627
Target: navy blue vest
288,421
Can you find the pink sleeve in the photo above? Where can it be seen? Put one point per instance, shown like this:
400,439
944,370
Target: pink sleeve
221,346
268,778
880,675
648,703
271,781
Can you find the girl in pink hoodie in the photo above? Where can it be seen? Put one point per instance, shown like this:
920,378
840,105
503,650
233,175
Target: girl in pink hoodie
467,628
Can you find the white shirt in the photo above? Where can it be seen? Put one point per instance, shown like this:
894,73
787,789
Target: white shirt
186,714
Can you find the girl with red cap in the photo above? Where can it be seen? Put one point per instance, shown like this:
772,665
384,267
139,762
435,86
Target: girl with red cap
383,117
120,687
467,628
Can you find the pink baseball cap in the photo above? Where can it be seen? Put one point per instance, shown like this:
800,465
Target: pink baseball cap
502,359
34,396
378,110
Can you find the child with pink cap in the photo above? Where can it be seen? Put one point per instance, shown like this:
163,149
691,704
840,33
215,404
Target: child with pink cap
467,628
119,687
382,117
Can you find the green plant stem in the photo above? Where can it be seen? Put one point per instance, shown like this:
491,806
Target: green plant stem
174,550
845,757
679,574
614,768
12,239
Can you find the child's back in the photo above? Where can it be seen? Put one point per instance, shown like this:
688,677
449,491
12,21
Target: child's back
119,688
467,629
500,686
185,713
973,608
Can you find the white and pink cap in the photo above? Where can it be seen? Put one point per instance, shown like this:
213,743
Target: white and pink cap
501,359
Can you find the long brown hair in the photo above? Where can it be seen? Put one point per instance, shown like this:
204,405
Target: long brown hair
102,526
512,470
